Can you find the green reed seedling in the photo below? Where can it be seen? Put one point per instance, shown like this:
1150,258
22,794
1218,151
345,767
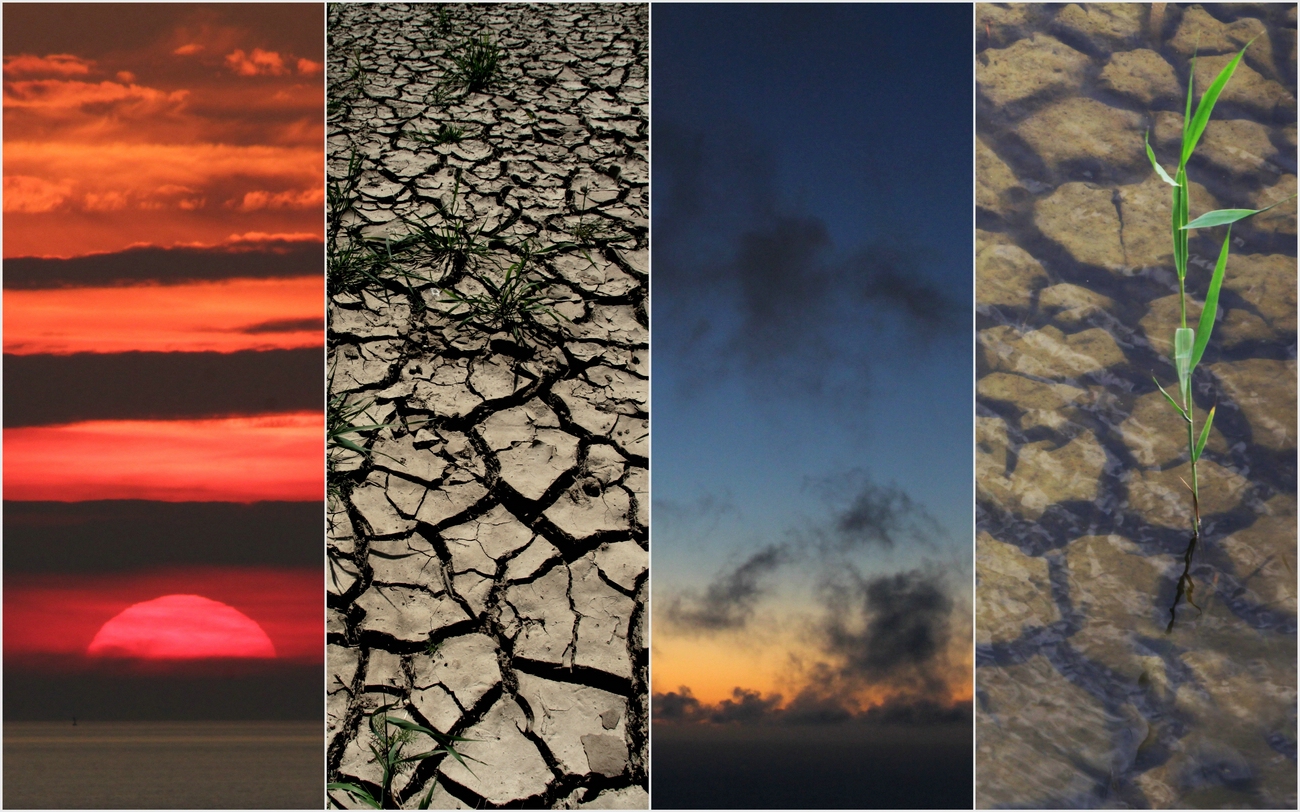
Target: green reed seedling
390,737
1190,343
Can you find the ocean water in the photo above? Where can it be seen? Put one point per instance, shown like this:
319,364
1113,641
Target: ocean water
810,767
163,765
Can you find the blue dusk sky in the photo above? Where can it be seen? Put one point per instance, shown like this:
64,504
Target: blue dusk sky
812,379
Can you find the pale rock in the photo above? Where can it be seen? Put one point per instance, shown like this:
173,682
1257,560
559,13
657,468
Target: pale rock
1265,392
1012,592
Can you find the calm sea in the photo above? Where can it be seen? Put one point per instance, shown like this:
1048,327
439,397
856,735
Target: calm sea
163,765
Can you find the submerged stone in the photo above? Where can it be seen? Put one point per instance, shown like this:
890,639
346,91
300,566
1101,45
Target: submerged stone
1012,592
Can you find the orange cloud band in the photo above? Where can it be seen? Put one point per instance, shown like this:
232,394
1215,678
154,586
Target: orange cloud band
42,176
247,459
226,316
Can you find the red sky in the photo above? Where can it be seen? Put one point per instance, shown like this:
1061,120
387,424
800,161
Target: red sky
164,125
53,618
188,124
243,459
236,314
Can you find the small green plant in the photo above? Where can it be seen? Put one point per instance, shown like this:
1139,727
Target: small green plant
339,415
587,232
445,134
1190,343
510,305
390,737
477,65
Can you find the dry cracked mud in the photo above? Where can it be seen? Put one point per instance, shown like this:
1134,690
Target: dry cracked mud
1083,698
488,553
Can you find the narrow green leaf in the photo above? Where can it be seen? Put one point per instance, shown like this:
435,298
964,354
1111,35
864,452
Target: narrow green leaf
428,796
1171,400
1151,155
1205,435
1183,340
452,752
1211,302
1206,105
357,792
406,725
1224,217
1180,259
1187,114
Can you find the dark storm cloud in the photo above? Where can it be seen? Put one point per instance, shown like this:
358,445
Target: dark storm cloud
167,266
888,625
863,514
883,515
755,285
729,600
277,691
53,389
127,535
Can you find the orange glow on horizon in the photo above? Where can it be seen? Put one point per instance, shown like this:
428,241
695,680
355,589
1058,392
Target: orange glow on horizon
244,459
713,666
225,316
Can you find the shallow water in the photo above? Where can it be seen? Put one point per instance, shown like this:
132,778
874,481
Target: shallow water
1083,699
163,765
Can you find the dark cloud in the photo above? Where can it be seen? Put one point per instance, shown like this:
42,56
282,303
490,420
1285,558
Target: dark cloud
729,600
883,515
53,389
751,284
127,535
888,627
168,266
808,708
278,691
862,514
285,326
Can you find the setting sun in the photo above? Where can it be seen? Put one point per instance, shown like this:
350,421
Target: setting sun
181,627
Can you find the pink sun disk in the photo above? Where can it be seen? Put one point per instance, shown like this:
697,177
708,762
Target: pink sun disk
181,627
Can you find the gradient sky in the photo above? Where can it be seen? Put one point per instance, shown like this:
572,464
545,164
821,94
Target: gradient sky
812,373
163,340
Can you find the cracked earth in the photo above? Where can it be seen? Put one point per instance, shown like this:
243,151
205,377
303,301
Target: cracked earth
489,554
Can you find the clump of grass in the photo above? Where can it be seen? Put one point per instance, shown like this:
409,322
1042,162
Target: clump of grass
445,134
444,24
391,735
1190,343
512,305
476,65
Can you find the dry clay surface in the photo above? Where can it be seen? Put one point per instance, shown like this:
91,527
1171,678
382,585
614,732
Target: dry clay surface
489,558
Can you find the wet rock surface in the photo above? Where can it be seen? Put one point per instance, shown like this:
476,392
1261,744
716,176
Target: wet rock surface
1084,697
489,551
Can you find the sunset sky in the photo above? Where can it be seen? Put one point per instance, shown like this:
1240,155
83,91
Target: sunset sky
812,380
163,341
